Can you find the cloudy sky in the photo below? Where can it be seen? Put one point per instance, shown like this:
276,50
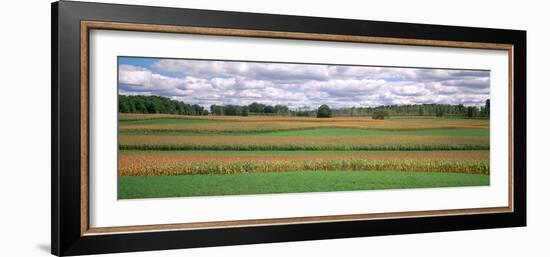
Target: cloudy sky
207,82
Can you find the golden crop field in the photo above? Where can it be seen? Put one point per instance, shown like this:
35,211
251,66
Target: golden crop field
159,164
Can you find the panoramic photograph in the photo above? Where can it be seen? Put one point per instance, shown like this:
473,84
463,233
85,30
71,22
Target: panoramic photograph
190,127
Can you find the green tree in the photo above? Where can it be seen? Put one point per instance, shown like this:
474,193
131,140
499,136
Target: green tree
488,108
472,111
379,114
324,111
231,110
256,107
216,109
281,109
439,111
244,111
269,109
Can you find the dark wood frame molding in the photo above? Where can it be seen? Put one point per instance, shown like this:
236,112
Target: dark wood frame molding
71,25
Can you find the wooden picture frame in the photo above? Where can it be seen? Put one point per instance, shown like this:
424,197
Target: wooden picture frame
71,25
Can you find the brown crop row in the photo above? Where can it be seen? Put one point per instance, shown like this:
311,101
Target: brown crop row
318,140
127,158
158,168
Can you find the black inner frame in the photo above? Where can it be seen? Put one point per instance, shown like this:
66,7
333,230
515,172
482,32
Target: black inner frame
65,165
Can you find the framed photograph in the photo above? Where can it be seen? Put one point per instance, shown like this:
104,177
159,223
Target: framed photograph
178,128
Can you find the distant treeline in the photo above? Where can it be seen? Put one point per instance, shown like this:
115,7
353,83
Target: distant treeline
439,110
251,109
158,104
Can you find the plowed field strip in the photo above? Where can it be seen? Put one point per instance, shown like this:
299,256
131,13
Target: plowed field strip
194,156
282,140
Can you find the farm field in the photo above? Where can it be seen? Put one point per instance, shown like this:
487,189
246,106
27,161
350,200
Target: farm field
164,155
132,187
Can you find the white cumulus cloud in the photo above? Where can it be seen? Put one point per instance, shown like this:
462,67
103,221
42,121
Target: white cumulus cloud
208,82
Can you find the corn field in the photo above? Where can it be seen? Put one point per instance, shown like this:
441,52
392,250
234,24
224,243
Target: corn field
196,168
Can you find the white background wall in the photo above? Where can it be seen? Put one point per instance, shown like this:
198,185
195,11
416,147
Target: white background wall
25,127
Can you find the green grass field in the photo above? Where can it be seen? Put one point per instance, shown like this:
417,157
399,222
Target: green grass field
288,182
